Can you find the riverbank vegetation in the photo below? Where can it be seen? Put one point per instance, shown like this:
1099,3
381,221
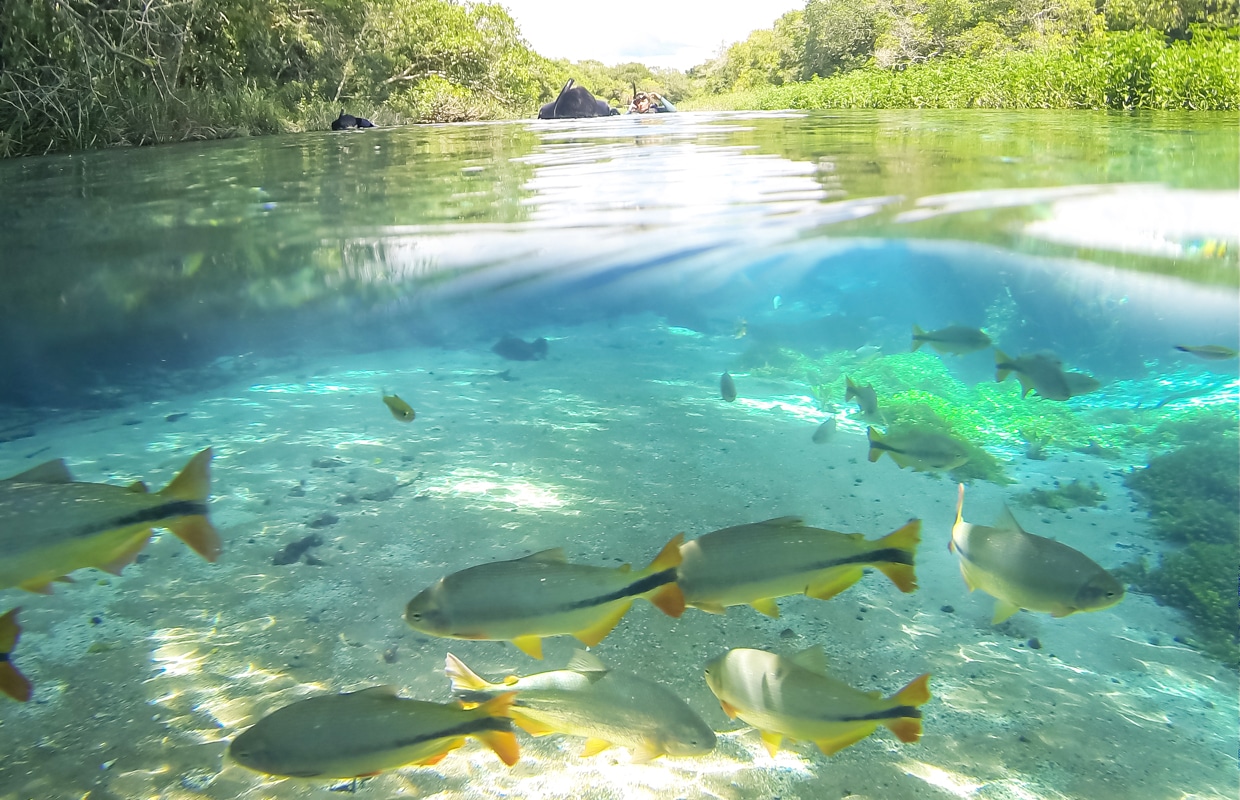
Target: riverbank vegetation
1099,54
88,73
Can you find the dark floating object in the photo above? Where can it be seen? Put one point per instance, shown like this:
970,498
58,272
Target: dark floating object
346,121
514,349
575,102
293,551
727,387
176,416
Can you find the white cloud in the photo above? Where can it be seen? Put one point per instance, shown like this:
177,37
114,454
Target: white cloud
667,33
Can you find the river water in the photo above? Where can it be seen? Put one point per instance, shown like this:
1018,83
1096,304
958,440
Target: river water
260,296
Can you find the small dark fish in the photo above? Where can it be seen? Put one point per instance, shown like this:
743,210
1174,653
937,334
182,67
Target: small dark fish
727,387
399,408
866,397
1210,352
514,349
824,432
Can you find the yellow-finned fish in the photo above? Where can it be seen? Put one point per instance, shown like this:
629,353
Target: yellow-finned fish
955,339
51,525
399,408
923,450
1210,352
364,733
866,397
607,706
794,697
525,599
756,563
12,682
727,388
1023,570
1043,373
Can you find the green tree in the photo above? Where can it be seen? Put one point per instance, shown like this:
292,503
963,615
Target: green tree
839,35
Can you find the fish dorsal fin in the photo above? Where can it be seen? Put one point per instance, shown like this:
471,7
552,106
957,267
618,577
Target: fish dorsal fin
554,555
587,664
384,691
54,471
1006,522
812,659
138,487
783,522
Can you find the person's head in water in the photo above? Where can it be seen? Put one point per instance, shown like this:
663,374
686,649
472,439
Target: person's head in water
641,102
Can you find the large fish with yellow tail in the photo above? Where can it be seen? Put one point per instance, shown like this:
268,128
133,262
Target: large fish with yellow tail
526,599
1023,570
364,733
12,682
794,697
51,525
609,707
756,563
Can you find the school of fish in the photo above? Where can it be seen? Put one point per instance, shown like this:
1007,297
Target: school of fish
52,526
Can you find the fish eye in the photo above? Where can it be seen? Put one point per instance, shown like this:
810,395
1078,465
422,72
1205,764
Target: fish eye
414,615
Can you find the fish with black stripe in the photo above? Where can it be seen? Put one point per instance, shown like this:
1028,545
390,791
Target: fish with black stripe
526,599
367,732
51,525
754,564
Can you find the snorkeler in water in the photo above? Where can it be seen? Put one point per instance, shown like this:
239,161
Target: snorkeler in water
649,103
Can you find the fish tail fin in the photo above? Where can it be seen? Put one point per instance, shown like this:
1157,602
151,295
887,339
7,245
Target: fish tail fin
12,682
959,505
906,539
193,484
465,681
669,599
200,535
669,557
917,340
850,388
908,728
1001,368
876,441
503,742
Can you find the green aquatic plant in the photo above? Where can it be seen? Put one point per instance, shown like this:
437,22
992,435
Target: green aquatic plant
1201,581
1065,497
1193,497
1193,493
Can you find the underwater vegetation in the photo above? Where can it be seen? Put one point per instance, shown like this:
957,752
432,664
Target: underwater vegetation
1193,494
1064,498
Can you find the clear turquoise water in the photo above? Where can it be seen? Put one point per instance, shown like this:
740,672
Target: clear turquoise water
269,290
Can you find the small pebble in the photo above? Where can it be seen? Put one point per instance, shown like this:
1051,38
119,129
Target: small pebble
1034,644
948,609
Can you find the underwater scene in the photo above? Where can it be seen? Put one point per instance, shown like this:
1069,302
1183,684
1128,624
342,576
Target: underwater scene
731,455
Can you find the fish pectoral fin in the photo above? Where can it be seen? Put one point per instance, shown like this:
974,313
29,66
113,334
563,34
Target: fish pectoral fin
669,599
532,726
811,658
598,631
594,747
1003,610
127,555
504,743
837,583
728,709
646,752
710,608
1063,612
767,606
530,645
906,729
200,535
772,741
835,744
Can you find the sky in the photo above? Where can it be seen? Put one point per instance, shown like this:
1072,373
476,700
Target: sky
671,33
